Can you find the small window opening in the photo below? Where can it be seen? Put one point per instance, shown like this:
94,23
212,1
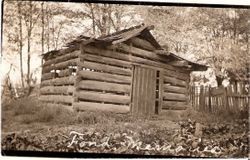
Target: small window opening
157,96
73,70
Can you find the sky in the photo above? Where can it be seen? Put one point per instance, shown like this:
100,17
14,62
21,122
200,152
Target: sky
6,61
76,28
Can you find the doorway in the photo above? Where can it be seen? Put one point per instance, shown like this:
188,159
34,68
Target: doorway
146,95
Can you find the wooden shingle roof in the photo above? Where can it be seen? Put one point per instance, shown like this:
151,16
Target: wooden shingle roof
126,34
142,31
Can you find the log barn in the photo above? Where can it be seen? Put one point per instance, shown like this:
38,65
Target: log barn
124,72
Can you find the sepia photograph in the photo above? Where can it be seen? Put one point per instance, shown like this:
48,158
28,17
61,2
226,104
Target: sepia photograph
124,79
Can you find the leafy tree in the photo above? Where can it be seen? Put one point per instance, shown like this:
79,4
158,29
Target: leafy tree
31,14
13,40
225,35
107,18
218,37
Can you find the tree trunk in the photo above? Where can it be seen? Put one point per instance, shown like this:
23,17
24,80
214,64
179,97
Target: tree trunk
58,35
53,34
28,62
93,19
28,47
20,43
48,29
42,27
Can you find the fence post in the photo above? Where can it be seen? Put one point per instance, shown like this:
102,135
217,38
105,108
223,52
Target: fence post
234,97
192,96
196,98
225,98
209,99
201,105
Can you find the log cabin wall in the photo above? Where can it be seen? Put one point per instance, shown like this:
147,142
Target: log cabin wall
127,71
58,77
175,90
104,79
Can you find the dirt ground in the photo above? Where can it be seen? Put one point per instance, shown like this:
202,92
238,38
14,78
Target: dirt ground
27,125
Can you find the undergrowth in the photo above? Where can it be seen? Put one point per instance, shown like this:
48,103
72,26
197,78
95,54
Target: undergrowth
29,110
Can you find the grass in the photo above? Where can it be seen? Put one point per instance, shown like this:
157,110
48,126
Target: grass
206,117
30,110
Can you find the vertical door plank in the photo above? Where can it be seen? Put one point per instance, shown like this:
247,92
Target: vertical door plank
150,89
134,98
160,91
137,90
144,91
152,106
141,92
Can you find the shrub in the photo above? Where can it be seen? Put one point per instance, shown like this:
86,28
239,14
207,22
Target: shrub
98,117
28,118
25,106
64,116
29,109
89,118
46,114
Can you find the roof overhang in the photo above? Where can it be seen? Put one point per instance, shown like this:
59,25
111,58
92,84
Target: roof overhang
141,31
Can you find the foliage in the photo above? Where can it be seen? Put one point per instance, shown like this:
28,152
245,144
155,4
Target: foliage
32,28
100,132
226,38
217,37
218,140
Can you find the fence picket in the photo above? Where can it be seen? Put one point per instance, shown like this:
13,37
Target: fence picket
214,100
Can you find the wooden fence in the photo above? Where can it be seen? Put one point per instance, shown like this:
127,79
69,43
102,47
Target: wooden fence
234,98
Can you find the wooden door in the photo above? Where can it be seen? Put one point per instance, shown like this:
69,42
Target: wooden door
146,91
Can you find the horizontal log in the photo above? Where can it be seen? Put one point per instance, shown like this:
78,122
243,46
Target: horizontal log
54,105
59,81
174,81
47,76
129,58
105,86
142,53
175,89
69,49
180,63
57,90
62,58
56,98
174,96
106,60
91,106
65,72
141,43
104,77
179,108
174,105
106,68
178,75
175,108
103,97
61,52
162,52
61,65
52,75
72,62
